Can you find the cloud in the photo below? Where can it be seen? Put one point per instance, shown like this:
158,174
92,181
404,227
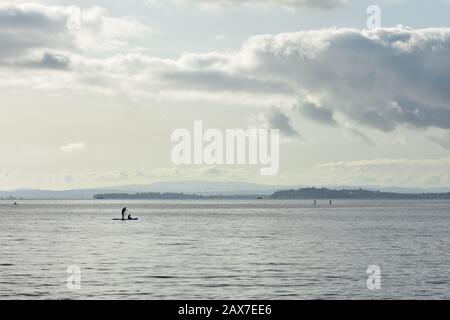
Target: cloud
52,61
380,78
276,119
212,80
442,140
322,4
360,135
383,79
32,32
73,147
445,162
318,114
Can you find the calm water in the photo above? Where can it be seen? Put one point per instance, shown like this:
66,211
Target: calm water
225,249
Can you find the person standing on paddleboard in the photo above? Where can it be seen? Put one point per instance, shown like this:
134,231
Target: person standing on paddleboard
124,210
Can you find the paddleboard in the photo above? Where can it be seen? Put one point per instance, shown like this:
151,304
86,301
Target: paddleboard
125,219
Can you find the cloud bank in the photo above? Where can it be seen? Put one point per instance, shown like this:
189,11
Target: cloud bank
382,79
387,162
36,35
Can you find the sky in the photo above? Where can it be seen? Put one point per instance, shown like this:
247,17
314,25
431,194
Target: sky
91,91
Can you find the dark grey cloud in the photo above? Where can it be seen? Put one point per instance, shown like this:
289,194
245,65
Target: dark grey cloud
32,26
48,60
419,115
276,119
380,78
318,114
29,31
54,61
29,17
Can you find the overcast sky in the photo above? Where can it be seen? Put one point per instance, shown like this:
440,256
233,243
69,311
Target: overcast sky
92,102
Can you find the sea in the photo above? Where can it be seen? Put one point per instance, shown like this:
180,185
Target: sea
225,249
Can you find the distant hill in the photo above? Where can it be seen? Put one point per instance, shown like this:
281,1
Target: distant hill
194,187
52,194
168,196
305,193
324,193
205,187
189,187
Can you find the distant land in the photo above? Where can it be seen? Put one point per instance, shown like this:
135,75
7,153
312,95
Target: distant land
192,187
324,193
303,193
224,189
171,196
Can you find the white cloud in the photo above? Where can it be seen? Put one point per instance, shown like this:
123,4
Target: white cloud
73,147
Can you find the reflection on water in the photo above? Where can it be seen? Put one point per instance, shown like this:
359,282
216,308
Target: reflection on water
225,249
